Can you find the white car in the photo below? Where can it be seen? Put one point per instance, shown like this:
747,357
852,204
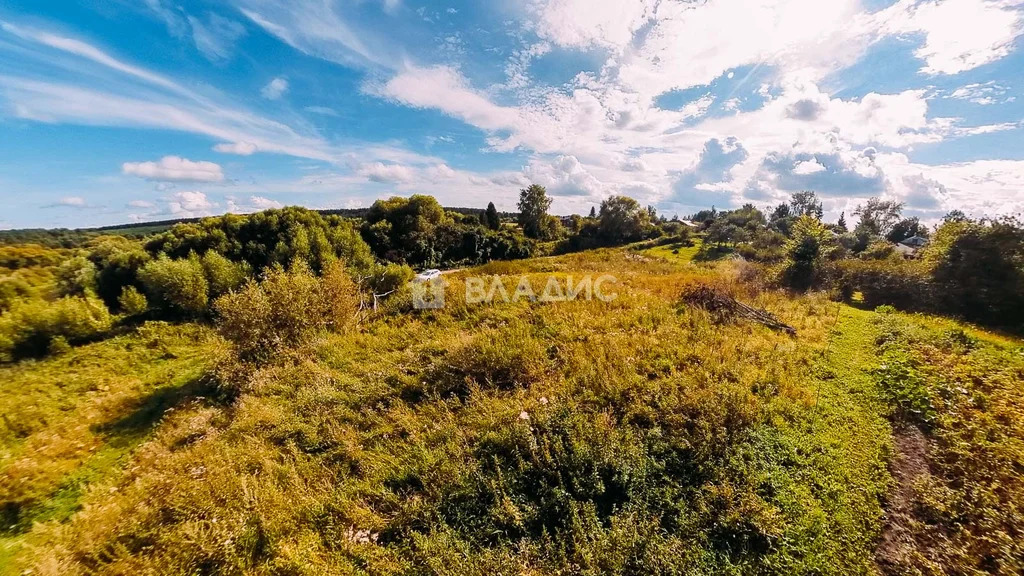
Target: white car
428,275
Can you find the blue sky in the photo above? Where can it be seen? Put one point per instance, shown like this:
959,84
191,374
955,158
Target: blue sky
118,111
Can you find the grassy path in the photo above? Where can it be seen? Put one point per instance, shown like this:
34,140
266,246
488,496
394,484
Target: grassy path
843,443
852,415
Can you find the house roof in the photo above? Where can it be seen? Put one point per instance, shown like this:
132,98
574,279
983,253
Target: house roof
915,241
904,250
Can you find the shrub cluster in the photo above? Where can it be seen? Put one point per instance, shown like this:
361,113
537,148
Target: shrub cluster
905,285
177,286
284,309
34,327
972,269
419,232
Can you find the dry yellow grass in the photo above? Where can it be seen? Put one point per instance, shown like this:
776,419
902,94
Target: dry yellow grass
631,436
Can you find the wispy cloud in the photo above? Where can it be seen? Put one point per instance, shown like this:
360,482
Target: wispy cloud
238,148
215,36
321,29
68,202
321,110
101,90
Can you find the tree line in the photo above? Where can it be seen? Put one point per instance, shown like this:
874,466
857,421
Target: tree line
970,268
52,298
55,297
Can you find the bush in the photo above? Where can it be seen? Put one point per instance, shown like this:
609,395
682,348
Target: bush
12,289
132,302
808,252
389,277
119,260
905,285
284,310
971,269
76,277
30,327
176,286
978,268
879,250
222,274
58,346
268,238
28,255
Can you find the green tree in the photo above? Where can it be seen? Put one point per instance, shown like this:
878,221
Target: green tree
806,203
575,224
877,216
747,218
808,252
533,210
407,229
222,274
906,228
841,225
955,216
722,232
76,277
622,219
119,260
176,286
782,218
268,238
978,269
492,218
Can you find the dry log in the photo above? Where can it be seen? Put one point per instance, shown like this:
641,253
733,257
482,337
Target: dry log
724,306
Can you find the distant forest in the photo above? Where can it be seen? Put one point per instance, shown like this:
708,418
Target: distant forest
73,237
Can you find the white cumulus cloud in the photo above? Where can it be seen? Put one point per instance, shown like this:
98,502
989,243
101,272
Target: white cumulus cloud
386,173
275,89
190,204
175,169
959,35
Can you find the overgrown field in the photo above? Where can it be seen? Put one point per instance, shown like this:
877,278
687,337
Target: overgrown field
637,436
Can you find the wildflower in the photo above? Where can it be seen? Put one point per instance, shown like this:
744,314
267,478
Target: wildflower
357,536
523,415
544,400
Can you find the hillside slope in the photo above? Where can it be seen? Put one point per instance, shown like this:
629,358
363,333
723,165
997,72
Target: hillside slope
634,436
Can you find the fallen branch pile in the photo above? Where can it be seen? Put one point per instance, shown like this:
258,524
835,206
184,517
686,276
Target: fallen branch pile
724,306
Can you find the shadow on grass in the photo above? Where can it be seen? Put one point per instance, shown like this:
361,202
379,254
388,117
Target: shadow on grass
711,253
120,437
148,411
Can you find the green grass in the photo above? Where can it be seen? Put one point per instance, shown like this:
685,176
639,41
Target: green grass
677,253
654,441
637,436
71,421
